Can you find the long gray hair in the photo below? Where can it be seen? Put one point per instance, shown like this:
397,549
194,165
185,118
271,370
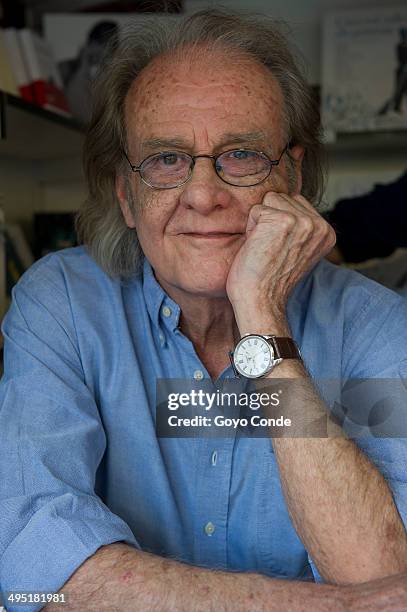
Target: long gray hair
99,223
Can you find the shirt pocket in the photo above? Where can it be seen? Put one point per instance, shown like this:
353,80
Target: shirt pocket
279,549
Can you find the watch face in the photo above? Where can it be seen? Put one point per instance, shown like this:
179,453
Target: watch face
253,356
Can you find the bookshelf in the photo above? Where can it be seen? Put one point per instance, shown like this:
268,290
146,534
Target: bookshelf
40,161
371,144
30,132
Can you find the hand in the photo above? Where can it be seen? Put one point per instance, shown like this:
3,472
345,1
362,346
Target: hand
285,238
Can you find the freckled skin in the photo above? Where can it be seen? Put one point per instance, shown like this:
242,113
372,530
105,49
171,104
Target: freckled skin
200,101
127,577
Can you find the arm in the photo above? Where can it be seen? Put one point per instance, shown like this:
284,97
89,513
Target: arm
51,443
340,504
120,578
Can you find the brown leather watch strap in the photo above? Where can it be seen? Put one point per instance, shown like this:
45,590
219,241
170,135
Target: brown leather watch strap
285,348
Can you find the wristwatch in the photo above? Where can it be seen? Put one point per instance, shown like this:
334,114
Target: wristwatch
256,355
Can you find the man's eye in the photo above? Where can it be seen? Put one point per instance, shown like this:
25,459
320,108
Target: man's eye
240,154
169,159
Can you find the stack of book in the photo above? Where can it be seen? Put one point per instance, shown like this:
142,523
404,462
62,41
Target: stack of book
28,69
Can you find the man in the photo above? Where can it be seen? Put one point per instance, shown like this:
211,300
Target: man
203,152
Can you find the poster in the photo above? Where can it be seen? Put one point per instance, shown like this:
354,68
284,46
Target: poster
364,70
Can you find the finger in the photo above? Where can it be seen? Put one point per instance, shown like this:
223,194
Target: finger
301,203
282,218
307,204
283,201
310,226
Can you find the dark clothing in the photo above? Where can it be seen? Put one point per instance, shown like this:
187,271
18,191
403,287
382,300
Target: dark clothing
372,225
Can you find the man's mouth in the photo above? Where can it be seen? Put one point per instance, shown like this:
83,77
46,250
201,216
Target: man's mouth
212,235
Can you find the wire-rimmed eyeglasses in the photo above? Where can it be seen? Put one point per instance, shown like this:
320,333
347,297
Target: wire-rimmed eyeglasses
238,167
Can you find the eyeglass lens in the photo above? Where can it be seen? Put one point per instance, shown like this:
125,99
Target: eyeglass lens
238,167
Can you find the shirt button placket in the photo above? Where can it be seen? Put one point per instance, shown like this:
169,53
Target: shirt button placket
166,311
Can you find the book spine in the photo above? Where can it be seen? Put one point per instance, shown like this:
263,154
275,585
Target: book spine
7,80
18,63
45,79
49,96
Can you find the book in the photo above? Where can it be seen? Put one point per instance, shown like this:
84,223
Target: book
7,80
364,70
17,61
43,72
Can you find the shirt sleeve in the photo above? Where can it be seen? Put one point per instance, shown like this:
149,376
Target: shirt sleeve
51,443
373,407
376,381
316,574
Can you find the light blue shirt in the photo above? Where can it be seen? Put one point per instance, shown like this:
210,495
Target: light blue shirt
80,463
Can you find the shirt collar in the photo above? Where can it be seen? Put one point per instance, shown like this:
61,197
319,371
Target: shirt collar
161,308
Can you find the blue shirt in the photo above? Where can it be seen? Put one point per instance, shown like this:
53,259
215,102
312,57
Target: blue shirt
80,463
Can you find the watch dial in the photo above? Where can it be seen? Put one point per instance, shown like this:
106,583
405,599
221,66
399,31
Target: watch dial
253,356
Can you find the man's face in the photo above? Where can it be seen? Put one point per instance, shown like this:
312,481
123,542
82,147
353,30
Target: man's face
204,107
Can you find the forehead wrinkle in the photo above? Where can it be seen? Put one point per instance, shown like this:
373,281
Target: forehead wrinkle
233,137
227,138
149,94
157,143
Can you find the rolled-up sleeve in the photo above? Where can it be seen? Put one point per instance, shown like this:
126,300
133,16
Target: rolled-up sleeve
51,444
373,404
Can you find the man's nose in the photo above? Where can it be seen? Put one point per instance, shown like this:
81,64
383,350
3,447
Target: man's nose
205,191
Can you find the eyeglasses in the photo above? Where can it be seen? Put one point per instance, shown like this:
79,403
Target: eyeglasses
238,167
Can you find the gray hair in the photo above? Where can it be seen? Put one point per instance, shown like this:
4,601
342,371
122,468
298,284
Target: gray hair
99,223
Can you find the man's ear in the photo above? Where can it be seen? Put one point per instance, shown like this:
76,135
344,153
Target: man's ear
296,153
122,195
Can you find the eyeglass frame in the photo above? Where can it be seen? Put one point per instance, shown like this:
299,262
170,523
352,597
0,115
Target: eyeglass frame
273,162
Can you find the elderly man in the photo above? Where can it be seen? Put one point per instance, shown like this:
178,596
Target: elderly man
199,237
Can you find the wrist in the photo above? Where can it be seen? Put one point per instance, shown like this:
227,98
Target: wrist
254,321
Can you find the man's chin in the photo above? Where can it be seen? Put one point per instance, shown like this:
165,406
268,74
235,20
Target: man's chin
199,288
210,288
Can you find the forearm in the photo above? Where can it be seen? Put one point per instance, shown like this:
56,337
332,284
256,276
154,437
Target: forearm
342,508
340,504
389,593
338,501
119,577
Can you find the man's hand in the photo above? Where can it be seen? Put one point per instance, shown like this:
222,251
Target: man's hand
286,237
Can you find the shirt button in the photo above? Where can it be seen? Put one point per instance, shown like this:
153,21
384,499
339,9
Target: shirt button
214,458
161,337
166,311
209,528
198,375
